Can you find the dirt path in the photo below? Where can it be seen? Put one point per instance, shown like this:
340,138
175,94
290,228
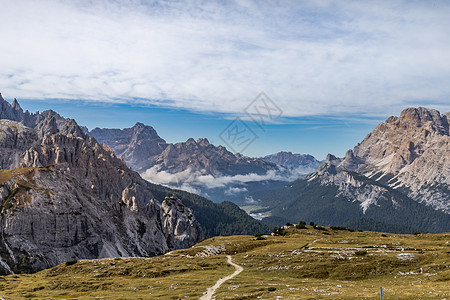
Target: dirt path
210,291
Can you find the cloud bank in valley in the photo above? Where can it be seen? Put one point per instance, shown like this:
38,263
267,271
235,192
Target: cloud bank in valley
195,181
311,57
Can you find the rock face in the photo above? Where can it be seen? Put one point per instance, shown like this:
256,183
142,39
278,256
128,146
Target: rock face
304,163
410,153
142,149
64,196
139,146
398,175
205,158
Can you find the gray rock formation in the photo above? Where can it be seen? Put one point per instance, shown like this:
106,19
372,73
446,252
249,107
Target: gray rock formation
142,148
64,196
202,157
138,146
410,153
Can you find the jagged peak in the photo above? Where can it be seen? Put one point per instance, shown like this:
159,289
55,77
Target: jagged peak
203,142
421,114
15,105
330,157
139,125
349,154
190,141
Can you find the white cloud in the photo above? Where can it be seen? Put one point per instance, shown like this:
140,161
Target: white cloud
235,190
194,180
311,57
250,200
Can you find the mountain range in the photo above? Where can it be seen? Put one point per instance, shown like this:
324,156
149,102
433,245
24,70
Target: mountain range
201,167
68,193
396,179
397,176
65,196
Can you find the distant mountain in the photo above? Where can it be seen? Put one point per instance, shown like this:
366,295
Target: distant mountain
142,148
398,175
196,166
204,158
64,196
139,146
303,163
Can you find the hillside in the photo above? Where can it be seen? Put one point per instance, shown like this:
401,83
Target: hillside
396,179
64,196
303,264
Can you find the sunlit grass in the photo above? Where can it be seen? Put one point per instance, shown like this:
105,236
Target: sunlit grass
304,264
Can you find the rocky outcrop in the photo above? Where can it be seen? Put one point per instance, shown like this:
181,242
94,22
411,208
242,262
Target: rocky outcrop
205,158
138,146
410,154
142,149
64,196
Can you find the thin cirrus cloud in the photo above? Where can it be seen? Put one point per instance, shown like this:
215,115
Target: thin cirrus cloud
311,57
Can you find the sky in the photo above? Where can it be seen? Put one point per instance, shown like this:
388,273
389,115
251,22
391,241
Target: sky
330,71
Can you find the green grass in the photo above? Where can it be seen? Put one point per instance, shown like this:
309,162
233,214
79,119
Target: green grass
303,264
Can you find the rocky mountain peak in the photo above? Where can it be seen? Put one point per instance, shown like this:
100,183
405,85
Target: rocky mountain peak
138,125
302,163
421,116
71,127
203,142
16,106
410,152
63,196
190,141
330,158
138,145
142,131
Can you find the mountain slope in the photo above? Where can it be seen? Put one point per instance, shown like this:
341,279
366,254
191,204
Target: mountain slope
398,175
64,196
139,146
411,152
310,263
202,167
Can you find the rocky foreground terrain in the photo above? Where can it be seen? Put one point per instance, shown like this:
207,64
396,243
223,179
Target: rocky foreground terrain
308,263
64,196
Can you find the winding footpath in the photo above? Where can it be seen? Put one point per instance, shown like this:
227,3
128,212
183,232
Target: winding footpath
210,291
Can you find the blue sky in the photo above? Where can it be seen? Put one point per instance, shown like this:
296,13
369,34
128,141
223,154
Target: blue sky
334,68
316,135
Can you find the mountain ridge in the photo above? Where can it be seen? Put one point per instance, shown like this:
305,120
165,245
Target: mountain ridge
65,196
401,167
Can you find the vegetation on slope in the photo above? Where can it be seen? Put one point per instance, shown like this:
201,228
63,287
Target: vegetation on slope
311,201
224,218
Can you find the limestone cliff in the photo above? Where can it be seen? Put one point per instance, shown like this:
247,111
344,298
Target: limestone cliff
64,196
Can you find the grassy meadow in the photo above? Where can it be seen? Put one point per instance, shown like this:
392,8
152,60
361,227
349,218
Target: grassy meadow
306,263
